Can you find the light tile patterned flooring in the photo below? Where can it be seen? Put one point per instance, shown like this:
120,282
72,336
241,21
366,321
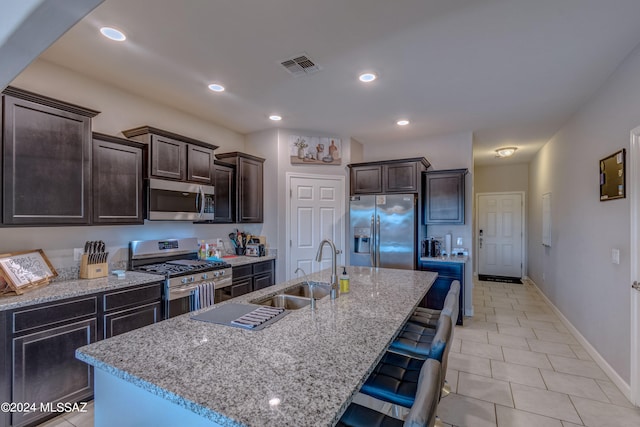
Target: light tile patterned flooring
514,364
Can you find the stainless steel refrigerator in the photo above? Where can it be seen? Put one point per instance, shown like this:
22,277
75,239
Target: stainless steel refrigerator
382,230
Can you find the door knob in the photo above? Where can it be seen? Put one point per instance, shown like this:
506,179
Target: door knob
636,286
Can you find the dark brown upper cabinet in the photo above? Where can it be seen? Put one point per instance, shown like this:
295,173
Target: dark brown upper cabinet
46,160
173,156
249,185
443,201
225,197
117,174
390,176
200,164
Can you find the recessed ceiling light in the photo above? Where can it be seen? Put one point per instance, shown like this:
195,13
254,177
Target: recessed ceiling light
113,34
275,117
402,122
505,152
367,77
216,87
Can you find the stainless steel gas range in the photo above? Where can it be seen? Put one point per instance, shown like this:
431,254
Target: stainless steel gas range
190,283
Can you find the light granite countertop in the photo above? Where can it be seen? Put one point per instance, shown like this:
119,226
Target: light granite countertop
243,260
458,259
74,288
62,289
314,362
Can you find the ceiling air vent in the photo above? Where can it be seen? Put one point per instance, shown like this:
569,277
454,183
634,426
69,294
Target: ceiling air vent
300,65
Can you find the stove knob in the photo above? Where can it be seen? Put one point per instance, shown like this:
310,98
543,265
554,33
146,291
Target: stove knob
191,279
184,281
216,273
222,273
204,276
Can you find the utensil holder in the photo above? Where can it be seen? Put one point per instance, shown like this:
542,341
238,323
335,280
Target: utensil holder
92,271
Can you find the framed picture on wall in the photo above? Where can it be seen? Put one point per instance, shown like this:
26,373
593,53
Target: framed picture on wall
612,176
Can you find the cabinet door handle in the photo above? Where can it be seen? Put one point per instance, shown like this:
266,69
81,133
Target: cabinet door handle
636,286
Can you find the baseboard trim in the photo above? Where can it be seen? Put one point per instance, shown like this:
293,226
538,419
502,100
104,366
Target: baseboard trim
600,361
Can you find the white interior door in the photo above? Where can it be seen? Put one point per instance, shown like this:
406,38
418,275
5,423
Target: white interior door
500,234
316,212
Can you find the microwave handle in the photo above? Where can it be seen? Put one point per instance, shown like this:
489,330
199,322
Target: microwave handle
198,193
203,203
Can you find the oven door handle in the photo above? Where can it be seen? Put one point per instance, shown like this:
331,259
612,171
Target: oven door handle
176,293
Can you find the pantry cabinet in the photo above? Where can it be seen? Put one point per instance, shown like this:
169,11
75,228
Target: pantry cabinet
390,176
117,182
46,154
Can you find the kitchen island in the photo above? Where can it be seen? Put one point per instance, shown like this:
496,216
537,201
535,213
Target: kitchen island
302,370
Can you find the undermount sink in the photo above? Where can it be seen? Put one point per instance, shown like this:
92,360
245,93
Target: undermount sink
289,302
302,289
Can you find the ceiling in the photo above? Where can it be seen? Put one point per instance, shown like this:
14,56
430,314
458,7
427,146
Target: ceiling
510,71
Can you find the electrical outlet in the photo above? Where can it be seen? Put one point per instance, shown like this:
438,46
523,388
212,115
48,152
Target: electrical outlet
77,254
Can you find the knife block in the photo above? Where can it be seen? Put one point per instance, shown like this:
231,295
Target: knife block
92,271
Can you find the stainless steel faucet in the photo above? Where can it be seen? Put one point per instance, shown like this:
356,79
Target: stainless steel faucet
310,285
334,275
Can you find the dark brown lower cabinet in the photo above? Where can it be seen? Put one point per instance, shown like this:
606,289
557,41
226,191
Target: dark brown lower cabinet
45,368
447,273
129,309
38,345
251,277
5,368
134,318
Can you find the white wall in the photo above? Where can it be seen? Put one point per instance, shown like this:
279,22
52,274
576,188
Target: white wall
274,146
501,178
28,27
576,272
120,110
453,151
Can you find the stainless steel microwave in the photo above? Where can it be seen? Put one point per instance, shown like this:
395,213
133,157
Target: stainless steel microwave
179,201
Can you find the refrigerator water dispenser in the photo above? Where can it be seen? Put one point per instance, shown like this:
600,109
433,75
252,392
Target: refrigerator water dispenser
361,241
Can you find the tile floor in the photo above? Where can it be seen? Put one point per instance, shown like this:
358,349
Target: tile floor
514,364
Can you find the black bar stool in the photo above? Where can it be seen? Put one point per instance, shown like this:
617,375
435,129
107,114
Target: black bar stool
429,316
423,410
395,378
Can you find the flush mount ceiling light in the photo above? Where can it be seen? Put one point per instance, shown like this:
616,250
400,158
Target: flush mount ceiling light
113,34
216,87
367,77
505,152
275,117
402,122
